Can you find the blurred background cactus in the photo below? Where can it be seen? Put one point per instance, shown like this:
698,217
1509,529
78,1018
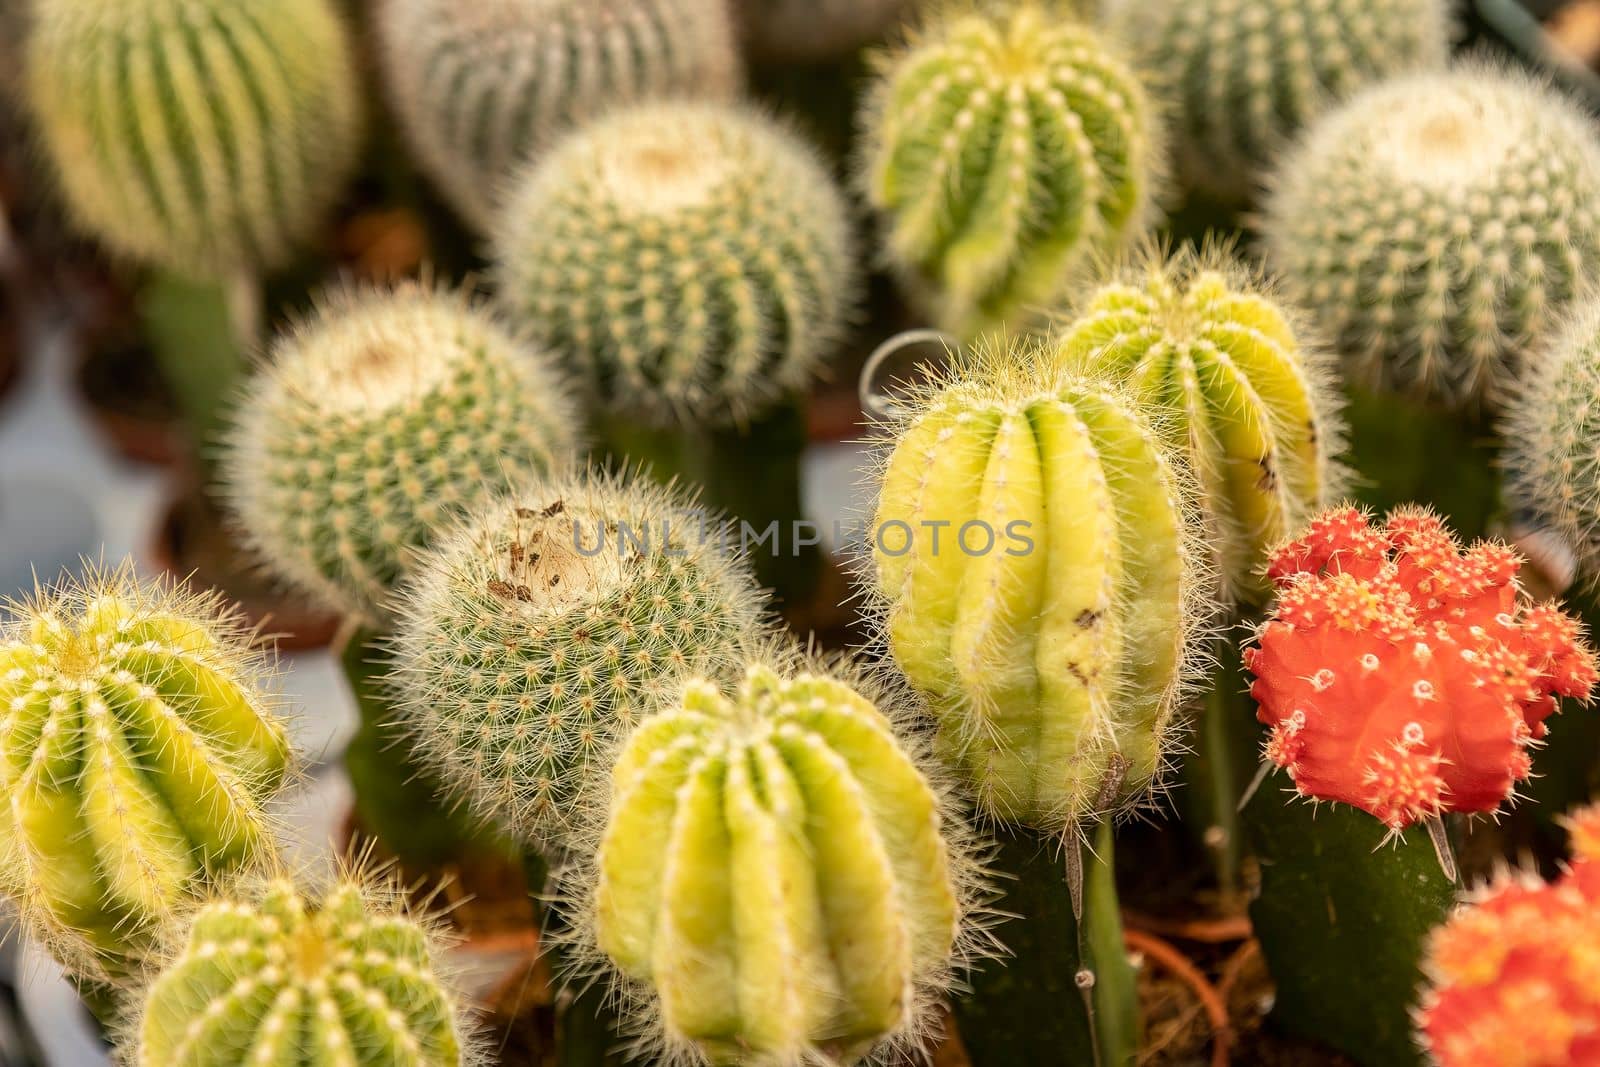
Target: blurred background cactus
811,30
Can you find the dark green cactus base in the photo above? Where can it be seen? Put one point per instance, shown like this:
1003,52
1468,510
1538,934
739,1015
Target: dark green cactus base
1027,1009
192,334
1215,774
586,1026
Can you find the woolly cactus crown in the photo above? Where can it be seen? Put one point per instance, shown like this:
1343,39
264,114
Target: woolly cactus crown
694,260
481,85
195,134
376,424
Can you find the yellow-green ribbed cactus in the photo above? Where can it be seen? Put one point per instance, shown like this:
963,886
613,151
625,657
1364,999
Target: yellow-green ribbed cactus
777,881
1038,563
199,135
139,751
265,976
1005,146
1245,391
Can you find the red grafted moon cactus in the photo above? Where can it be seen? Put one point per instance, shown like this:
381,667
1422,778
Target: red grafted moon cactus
1403,674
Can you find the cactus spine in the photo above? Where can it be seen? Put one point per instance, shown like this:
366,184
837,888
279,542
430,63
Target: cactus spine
139,750
376,424
1438,225
480,86
1004,150
195,134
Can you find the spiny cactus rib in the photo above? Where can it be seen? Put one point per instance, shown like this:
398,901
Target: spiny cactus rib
1041,572
139,751
694,260
1003,151
481,86
548,624
377,423
1243,76
1248,395
266,977
1438,225
195,134
818,29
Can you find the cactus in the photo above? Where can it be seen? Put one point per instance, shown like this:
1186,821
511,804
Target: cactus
693,259
1038,567
481,86
1437,225
378,422
1243,76
546,625
266,976
818,29
1248,393
777,881
198,135
1004,150
141,750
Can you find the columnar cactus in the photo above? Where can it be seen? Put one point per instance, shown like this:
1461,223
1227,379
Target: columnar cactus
1005,148
1244,390
1243,76
200,135
480,86
1403,675
549,623
1035,555
140,750
777,882
693,259
818,29
1438,225
377,423
265,976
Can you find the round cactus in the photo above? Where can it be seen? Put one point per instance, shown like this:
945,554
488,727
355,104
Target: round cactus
1244,391
140,750
693,259
777,881
1243,76
265,976
1004,150
198,135
817,29
549,623
1439,224
377,423
480,86
1037,564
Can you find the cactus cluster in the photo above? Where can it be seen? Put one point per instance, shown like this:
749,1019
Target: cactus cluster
140,749
1004,148
1243,76
265,976
694,260
376,423
1246,393
481,86
547,625
1439,224
195,134
1035,555
818,29
1404,675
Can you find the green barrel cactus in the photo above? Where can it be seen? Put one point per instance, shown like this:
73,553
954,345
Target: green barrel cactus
198,135
548,624
777,881
1004,148
481,86
1242,387
265,976
692,259
1036,558
1242,77
1438,225
378,422
810,30
140,750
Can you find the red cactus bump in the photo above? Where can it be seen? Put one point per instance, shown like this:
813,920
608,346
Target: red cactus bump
1404,675
1515,977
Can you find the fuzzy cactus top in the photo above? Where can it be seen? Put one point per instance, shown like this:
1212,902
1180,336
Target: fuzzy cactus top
1405,675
